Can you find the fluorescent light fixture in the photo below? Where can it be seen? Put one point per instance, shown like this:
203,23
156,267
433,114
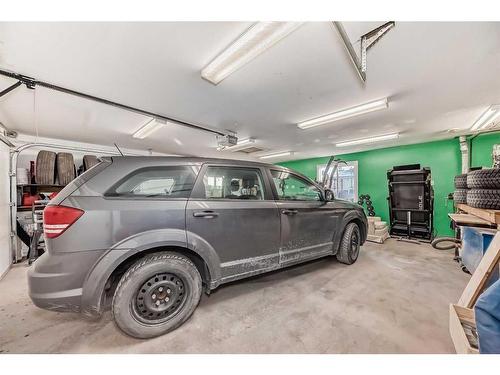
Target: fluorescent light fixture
287,153
148,129
490,115
378,138
259,37
245,141
357,110
241,142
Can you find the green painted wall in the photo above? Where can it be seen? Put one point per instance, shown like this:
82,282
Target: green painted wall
443,157
482,147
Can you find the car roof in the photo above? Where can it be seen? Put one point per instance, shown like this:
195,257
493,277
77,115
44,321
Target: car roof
183,160
147,161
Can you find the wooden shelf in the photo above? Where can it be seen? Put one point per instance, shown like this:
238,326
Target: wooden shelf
491,216
39,188
471,220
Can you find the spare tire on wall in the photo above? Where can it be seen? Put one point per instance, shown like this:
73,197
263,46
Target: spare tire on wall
484,179
65,168
484,198
45,168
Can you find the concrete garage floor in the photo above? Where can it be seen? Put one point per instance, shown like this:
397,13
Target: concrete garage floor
393,300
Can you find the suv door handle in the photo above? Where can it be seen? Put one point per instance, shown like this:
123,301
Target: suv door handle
289,212
206,214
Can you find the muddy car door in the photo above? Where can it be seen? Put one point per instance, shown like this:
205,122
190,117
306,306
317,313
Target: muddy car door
308,222
232,208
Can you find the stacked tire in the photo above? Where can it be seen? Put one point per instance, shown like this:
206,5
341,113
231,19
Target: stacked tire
89,161
52,168
45,173
65,167
460,194
484,188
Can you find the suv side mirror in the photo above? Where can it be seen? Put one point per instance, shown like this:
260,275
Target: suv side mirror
329,195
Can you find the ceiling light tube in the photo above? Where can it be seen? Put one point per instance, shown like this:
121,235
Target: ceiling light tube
241,142
245,141
287,153
258,38
378,138
487,117
148,129
357,110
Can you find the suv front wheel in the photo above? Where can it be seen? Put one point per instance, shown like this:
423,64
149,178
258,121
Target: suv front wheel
349,245
156,295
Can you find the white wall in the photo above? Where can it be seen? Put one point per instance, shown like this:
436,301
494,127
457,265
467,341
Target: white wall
24,158
5,255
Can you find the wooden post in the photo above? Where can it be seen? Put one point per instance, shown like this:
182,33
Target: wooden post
481,274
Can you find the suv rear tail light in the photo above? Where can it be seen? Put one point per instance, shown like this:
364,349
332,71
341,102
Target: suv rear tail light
56,219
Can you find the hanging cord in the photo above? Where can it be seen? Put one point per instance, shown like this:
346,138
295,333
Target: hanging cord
35,117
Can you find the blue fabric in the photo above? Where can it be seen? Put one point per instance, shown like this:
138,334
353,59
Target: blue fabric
487,312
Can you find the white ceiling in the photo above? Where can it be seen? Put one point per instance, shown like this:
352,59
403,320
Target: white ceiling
437,76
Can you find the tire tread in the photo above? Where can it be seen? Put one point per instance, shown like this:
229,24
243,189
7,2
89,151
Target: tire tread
461,181
45,167
460,196
484,198
89,161
65,168
484,179
345,244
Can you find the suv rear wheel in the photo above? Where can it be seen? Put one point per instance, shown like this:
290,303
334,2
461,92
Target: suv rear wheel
156,295
349,245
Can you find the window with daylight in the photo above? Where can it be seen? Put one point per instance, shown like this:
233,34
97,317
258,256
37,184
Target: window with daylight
344,182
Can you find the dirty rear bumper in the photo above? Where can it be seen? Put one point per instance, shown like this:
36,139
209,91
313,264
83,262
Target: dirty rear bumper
55,281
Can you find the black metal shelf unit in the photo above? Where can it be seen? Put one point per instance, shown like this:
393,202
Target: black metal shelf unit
411,201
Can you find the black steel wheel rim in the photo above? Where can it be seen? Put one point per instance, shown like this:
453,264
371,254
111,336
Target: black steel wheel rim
159,298
354,244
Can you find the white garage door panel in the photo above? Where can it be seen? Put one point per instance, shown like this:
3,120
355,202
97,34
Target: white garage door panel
5,258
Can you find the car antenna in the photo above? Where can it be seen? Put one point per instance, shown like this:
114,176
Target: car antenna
118,148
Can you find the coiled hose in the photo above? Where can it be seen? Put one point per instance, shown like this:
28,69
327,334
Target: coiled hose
455,243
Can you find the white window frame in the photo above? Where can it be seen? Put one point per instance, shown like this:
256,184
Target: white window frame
354,163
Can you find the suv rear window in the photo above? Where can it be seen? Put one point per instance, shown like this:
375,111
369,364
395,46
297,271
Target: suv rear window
166,182
81,180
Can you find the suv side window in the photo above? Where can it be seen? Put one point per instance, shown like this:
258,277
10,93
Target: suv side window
167,182
294,188
233,183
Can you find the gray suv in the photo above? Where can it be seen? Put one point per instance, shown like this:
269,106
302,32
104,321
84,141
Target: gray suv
147,235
